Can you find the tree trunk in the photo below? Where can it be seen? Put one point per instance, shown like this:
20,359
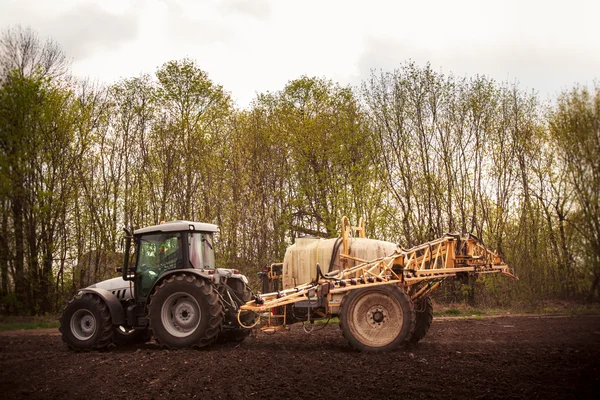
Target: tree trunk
595,288
4,252
20,283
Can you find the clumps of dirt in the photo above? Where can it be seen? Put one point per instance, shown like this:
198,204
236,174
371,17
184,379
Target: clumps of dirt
516,357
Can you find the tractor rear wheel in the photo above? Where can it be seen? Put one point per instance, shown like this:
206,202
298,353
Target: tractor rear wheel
424,313
185,311
85,323
379,318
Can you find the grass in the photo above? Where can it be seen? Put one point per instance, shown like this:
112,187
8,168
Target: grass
572,310
464,311
10,323
449,312
334,321
461,310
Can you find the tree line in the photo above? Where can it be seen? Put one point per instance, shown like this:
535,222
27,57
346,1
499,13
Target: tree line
416,152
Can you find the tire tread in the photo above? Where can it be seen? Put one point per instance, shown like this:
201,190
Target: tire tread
104,325
423,321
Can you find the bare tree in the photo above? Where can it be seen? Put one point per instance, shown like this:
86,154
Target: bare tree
22,50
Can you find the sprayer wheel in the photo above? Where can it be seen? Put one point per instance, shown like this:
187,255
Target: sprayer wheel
376,319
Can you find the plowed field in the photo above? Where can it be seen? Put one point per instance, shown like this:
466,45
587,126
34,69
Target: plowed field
528,357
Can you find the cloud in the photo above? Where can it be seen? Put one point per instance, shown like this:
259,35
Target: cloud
87,28
257,45
196,25
259,9
546,69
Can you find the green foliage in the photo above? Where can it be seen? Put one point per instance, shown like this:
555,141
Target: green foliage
330,154
450,312
574,128
10,305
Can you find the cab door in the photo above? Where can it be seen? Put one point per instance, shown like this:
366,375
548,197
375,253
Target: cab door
157,253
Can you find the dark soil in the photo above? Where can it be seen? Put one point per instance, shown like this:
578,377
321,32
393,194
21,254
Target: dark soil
506,357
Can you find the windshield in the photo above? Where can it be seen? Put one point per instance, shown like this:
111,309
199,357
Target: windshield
202,254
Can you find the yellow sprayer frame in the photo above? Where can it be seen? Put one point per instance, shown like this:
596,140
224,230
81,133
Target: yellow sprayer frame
419,271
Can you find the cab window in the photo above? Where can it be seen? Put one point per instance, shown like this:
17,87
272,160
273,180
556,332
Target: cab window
201,252
158,253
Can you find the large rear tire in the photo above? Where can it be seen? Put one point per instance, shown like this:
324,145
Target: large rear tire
379,318
85,323
185,311
424,314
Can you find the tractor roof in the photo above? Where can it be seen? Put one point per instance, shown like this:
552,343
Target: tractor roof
175,226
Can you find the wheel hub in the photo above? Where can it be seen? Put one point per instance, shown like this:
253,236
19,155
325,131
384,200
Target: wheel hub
180,314
87,324
377,316
83,324
183,313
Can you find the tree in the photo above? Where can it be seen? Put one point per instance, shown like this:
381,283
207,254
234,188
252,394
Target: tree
574,126
23,53
330,154
35,116
193,112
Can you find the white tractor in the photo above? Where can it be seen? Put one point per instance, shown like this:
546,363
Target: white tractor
173,292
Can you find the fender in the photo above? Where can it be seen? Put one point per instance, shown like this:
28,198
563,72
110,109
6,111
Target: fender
114,305
201,274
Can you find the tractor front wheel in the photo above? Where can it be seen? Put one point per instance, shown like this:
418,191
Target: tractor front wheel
379,318
185,311
86,324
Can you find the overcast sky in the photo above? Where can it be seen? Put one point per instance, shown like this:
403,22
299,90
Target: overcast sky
254,46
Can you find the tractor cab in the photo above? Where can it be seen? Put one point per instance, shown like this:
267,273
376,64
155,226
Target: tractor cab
169,246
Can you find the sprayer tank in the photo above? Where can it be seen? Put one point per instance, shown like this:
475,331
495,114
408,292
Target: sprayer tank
300,261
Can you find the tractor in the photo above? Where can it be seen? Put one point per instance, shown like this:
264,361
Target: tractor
173,291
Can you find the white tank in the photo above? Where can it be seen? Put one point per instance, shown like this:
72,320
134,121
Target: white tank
300,261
